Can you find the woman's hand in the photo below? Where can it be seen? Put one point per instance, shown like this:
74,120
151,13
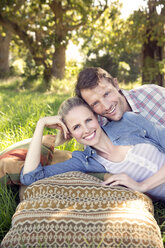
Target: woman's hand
34,151
124,180
55,122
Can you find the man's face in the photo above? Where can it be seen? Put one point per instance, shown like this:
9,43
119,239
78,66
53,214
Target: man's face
106,100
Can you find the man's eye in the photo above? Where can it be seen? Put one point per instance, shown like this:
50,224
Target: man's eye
88,120
95,104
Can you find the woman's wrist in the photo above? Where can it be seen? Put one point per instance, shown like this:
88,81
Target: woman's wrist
145,186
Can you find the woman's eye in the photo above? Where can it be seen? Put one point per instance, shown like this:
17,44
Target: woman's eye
106,94
77,126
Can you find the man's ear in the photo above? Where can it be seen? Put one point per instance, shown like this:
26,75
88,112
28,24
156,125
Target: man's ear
116,84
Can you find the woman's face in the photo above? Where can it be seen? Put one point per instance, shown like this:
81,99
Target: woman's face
83,125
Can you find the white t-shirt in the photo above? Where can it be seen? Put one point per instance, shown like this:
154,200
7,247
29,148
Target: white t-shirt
141,162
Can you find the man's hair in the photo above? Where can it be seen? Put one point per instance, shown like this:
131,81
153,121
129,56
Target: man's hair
89,78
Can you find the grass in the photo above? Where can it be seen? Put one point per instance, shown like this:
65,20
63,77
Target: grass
19,113
8,202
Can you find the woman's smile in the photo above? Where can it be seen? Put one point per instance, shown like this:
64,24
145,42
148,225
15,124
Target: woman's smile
90,136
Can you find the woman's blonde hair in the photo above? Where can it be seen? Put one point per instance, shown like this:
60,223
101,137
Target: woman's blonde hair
69,104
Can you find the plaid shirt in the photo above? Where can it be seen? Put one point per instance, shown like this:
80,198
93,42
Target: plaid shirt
147,100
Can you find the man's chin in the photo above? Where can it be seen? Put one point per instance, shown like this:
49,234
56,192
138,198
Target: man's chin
114,118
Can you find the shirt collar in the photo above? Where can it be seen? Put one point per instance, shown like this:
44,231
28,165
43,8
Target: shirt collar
131,99
90,151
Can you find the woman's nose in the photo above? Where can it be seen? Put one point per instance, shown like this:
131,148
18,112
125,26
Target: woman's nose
86,129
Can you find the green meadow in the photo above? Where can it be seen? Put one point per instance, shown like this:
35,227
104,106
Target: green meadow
20,110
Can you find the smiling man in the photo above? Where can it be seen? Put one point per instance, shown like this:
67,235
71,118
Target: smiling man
102,93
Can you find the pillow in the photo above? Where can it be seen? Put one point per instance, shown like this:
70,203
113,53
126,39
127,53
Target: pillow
57,157
74,210
12,158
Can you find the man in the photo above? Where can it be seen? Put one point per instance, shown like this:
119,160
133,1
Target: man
102,93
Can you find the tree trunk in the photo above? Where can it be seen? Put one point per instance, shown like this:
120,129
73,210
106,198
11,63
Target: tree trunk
4,54
58,68
152,52
47,78
151,55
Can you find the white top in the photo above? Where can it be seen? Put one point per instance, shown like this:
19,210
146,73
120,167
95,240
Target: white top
141,162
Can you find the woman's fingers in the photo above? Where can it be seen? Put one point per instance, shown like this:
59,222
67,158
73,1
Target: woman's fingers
110,180
124,180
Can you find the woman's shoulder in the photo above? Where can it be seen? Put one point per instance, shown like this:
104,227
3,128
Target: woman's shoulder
81,154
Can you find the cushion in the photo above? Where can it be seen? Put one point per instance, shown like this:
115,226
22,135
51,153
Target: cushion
12,158
57,157
74,210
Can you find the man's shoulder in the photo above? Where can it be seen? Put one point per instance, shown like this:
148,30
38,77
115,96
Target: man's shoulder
146,88
136,96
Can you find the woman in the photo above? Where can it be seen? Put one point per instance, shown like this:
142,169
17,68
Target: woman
136,158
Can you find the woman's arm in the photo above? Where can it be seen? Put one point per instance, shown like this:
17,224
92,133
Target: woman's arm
150,183
34,152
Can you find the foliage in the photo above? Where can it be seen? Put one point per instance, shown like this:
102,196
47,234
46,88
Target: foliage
106,62
129,66
45,27
106,44
123,41
146,27
126,69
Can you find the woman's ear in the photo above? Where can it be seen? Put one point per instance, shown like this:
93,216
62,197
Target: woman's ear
69,135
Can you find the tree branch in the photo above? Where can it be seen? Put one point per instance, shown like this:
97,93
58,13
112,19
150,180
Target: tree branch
28,41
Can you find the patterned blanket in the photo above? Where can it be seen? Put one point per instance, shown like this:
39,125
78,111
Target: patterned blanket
73,210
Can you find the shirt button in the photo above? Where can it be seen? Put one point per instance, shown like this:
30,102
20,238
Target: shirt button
144,131
86,156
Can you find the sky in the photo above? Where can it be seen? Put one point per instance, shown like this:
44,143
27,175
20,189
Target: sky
128,7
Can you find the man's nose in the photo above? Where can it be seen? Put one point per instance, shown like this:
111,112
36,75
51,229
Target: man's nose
105,104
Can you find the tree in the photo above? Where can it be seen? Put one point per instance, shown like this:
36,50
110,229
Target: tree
146,32
5,38
46,26
106,45
153,45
